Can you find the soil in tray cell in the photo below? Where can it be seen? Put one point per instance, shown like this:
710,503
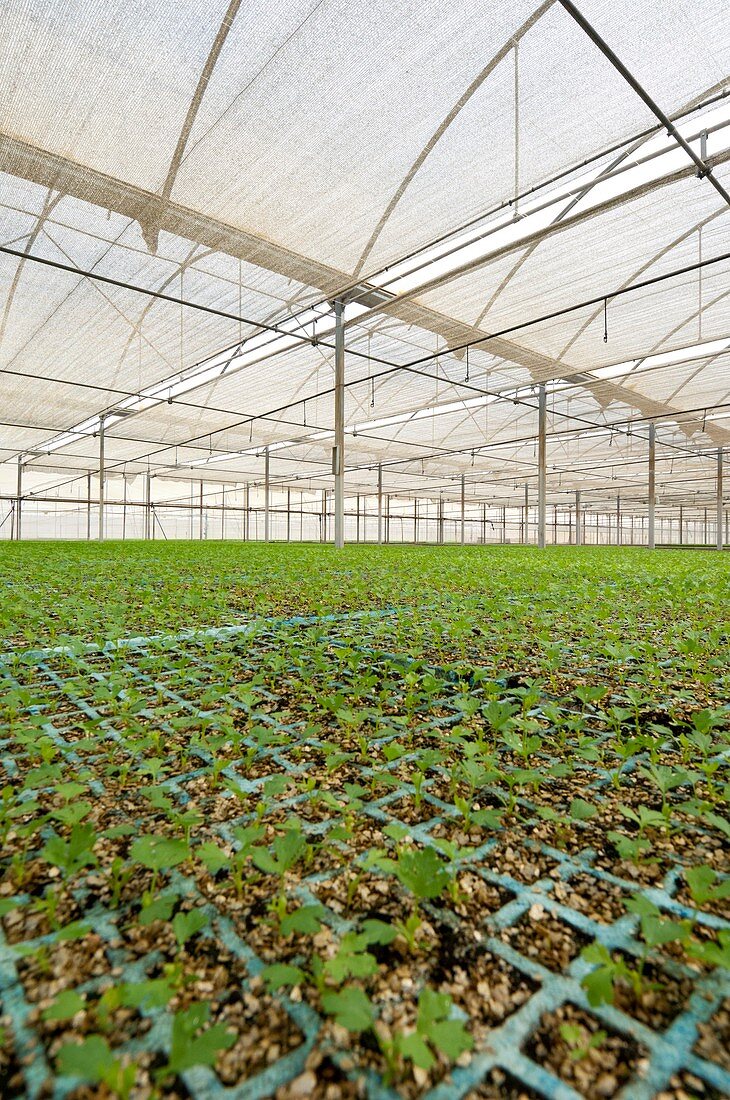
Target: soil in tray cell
545,938
660,1000
11,1073
501,1085
713,1042
593,897
688,1086
576,1047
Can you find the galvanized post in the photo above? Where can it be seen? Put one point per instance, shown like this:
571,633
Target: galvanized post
463,513
380,504
619,538
148,507
200,511
681,525
223,515
288,515
525,517
415,519
101,479
719,499
246,514
541,466
652,483
19,506
578,531
88,506
266,494
338,454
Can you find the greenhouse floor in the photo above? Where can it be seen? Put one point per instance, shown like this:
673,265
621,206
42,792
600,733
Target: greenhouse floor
284,822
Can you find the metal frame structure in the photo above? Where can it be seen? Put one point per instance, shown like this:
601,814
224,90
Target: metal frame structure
431,369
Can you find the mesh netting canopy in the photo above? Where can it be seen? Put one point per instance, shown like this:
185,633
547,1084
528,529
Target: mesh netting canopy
186,190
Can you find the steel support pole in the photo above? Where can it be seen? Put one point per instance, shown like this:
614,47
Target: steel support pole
415,519
88,506
463,512
338,455
578,531
681,525
525,523
288,515
541,465
380,504
101,479
19,506
148,507
200,511
223,515
618,520
247,514
266,494
652,483
719,499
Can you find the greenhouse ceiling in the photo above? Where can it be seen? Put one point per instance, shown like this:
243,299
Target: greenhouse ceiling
508,204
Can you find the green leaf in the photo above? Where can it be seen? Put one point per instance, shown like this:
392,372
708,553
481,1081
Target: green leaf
87,1060
488,819
350,1007
159,853
159,909
66,1005
423,872
186,925
415,1047
432,1006
212,856
187,1048
75,930
289,848
306,920
451,1038
281,974
377,931
580,810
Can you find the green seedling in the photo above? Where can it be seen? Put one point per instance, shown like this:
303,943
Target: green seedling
192,1043
158,854
580,1041
93,1063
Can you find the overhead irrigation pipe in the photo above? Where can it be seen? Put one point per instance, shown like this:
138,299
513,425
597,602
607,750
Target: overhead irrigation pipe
704,169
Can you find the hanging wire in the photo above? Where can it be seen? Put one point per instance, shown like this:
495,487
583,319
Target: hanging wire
517,125
699,285
182,318
466,379
240,300
605,320
372,380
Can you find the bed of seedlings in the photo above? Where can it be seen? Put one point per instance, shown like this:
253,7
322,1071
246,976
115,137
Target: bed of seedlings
471,846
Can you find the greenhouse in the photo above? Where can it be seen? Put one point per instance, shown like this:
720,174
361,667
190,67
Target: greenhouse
365,658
